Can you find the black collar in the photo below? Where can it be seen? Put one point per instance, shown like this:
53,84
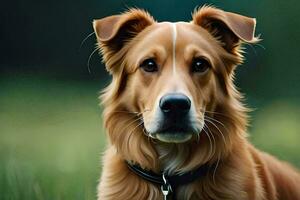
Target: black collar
169,183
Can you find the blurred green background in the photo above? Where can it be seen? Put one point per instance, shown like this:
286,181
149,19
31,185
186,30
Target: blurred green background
51,134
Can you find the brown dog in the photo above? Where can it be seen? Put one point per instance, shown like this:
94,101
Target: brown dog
173,113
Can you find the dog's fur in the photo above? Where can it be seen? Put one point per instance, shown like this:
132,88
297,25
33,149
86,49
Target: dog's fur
130,103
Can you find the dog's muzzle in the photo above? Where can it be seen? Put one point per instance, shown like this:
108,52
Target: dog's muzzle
175,125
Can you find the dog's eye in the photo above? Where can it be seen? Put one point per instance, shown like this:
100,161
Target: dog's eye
149,65
200,65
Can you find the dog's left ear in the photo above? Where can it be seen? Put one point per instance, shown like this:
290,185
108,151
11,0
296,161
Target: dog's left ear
229,28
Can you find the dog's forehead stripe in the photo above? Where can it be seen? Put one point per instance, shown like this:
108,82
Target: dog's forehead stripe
174,37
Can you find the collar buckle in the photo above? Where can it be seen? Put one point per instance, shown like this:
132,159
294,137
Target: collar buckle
166,188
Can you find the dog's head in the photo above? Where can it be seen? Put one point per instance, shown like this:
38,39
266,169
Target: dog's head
175,77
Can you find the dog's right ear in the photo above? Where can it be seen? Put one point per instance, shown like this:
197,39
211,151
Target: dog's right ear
114,31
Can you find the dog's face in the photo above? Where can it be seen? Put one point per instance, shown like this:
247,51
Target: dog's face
173,79
173,74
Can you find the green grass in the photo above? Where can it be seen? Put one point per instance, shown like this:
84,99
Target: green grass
51,138
276,129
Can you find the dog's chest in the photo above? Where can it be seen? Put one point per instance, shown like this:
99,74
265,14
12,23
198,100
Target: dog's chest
173,157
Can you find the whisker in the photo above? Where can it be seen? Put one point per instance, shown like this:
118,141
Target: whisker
217,129
145,133
135,127
132,122
209,134
149,136
214,140
136,117
212,147
88,62
218,122
214,112
254,50
130,112
131,133
215,170
261,46
210,142
123,111
85,39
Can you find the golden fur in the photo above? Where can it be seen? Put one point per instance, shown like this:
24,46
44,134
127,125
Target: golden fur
242,172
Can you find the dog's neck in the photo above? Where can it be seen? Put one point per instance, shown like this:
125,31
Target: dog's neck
171,156
175,158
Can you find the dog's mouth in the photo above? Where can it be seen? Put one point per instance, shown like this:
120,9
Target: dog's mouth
174,130
174,137
174,134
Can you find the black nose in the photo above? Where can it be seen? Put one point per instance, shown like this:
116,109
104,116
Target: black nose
175,103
